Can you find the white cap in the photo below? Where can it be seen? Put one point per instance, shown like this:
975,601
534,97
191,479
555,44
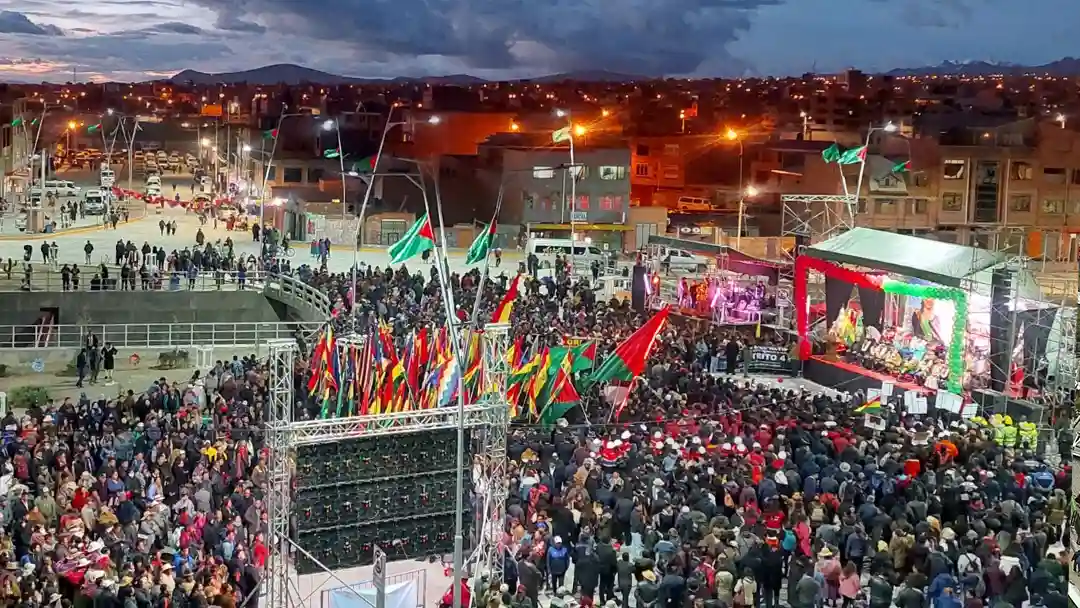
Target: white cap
669,441
741,448
738,441
824,433
697,440
757,446
726,446
616,443
659,445
657,435
558,539
625,435
782,455
701,450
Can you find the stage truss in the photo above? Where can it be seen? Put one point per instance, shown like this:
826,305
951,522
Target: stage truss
489,419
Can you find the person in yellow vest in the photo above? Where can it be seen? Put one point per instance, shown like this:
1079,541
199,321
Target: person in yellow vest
1029,435
1008,432
997,425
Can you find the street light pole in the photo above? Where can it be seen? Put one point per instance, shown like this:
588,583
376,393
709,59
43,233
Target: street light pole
336,126
750,192
733,135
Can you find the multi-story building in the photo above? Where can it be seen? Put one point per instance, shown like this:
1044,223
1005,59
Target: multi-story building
1007,184
543,190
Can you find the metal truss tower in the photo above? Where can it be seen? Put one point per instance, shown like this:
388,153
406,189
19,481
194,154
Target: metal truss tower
817,217
279,419
488,420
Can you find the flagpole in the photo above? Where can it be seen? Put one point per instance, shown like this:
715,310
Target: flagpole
266,173
475,320
456,346
363,207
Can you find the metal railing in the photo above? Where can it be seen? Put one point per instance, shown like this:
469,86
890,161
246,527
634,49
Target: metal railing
1057,288
146,335
44,279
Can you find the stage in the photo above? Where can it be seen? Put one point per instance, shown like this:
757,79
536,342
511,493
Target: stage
845,376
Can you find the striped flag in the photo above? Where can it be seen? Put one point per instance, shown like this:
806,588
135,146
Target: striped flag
873,406
506,306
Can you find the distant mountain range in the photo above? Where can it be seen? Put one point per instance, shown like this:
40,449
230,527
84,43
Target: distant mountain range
294,74
289,74
1069,66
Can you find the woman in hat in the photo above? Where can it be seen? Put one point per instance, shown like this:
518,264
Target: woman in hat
829,567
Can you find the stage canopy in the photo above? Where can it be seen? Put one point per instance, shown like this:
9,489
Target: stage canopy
934,261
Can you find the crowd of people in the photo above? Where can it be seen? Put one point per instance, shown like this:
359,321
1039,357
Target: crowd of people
705,492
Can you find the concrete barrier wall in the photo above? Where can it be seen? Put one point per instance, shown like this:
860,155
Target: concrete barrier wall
120,307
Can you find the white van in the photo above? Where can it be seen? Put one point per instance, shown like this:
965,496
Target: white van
59,188
108,178
677,259
547,249
94,202
692,203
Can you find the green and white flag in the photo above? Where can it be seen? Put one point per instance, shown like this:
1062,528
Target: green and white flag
419,238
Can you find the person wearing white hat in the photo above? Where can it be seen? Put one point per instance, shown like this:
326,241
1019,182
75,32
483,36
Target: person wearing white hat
625,435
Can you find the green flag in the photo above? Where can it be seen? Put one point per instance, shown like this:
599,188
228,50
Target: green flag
419,238
365,165
629,359
17,122
903,167
481,245
331,153
831,154
853,156
584,356
270,134
33,123
94,128
561,135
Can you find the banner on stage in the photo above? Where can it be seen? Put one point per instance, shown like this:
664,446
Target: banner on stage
763,360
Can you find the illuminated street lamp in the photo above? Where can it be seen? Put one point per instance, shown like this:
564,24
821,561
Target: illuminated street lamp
733,135
750,192
579,131
1060,118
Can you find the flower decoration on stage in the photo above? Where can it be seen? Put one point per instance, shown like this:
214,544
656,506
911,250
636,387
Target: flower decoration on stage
959,299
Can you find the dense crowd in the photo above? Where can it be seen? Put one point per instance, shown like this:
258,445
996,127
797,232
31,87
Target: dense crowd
704,492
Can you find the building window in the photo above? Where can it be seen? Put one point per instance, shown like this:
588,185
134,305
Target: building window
543,173
1074,206
580,172
293,175
314,174
953,169
671,171
582,202
618,203
1053,206
1021,171
917,206
1054,175
607,203
671,149
641,169
920,180
1021,203
642,150
885,206
613,172
1076,177
951,201
860,206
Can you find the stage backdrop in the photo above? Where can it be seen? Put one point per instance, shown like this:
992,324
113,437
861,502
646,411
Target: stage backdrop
872,302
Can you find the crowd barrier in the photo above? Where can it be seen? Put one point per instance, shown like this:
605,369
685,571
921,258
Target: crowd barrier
53,280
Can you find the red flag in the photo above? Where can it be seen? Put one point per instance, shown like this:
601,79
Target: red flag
503,310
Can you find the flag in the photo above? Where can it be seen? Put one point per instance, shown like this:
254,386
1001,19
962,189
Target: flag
628,360
563,134
902,167
17,122
506,306
270,134
33,123
365,165
563,396
539,381
873,406
418,239
831,154
853,156
331,153
94,128
481,245
584,356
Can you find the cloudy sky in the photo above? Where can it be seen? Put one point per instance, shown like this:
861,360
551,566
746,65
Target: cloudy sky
140,39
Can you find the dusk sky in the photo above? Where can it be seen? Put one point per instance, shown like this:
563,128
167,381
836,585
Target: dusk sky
142,39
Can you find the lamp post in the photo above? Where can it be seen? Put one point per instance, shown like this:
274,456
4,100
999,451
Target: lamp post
335,125
270,163
578,131
390,124
888,127
750,192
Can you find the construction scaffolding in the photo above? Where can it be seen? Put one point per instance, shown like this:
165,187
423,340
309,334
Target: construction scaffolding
487,421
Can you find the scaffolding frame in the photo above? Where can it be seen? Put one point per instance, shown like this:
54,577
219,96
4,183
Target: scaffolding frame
488,418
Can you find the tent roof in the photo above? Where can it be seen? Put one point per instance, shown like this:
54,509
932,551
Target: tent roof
942,263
